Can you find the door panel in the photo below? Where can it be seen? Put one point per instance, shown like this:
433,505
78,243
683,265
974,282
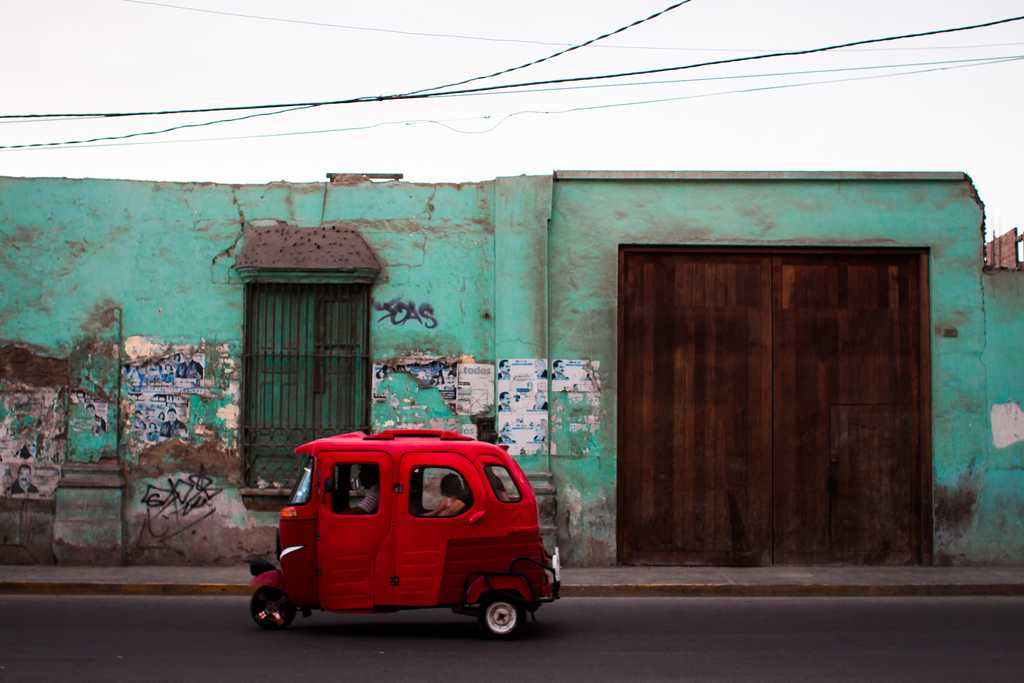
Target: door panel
770,408
696,377
846,409
349,546
421,543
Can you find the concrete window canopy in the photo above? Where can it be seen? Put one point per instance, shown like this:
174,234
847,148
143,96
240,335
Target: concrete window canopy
333,253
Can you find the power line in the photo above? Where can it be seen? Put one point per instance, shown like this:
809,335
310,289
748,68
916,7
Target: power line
576,79
61,117
443,122
552,81
802,72
560,52
521,41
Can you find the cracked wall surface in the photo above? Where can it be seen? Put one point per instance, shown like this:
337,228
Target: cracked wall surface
126,318
106,280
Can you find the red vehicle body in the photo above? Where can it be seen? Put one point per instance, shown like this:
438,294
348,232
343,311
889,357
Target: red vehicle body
454,524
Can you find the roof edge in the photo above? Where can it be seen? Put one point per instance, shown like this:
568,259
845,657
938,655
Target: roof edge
956,176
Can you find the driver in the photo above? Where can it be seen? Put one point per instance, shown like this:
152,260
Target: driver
369,479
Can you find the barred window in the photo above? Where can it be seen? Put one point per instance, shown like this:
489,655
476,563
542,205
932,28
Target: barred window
306,372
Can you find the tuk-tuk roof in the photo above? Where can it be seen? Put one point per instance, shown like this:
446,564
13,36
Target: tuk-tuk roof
416,437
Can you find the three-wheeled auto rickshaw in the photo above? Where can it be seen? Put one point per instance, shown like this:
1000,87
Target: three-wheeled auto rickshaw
408,519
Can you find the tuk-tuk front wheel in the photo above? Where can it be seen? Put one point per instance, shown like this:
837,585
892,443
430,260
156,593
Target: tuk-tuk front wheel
271,609
501,617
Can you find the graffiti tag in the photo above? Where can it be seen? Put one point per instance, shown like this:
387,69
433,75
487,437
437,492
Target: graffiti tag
179,506
399,312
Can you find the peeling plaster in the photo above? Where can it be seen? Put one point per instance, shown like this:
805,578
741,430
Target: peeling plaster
1007,424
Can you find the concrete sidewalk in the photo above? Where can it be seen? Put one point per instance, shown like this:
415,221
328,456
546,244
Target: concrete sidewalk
605,581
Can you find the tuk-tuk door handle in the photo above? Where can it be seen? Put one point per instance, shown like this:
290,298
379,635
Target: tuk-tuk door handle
476,516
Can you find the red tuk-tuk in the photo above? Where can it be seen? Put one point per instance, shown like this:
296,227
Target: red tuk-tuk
408,519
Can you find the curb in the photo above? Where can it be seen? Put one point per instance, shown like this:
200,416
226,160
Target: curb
568,591
91,588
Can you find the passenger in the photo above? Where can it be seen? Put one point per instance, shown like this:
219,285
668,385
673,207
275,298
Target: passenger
369,479
454,498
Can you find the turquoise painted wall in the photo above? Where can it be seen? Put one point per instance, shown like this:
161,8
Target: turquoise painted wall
590,219
95,274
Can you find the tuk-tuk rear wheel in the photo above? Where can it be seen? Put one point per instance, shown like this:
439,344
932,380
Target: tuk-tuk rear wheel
501,617
271,609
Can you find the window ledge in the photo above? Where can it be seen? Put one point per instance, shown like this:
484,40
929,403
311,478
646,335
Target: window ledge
267,492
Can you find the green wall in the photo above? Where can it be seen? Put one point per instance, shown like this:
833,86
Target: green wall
97,274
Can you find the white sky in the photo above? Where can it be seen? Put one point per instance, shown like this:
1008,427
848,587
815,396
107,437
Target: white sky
110,55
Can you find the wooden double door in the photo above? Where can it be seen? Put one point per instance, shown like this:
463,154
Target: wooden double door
772,408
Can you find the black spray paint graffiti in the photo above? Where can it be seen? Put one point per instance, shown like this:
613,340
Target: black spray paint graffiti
179,506
400,312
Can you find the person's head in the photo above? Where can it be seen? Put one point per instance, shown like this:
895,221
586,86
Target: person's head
24,476
172,414
168,367
163,417
177,358
90,408
368,477
557,365
152,426
505,398
503,364
451,486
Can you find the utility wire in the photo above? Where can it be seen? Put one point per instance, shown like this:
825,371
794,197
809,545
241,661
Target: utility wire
802,72
444,122
552,81
560,52
62,117
576,79
521,41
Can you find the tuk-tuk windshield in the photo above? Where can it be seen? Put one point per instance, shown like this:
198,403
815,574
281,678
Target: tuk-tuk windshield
300,495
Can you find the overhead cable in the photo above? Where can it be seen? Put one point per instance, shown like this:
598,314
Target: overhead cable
551,81
576,79
506,117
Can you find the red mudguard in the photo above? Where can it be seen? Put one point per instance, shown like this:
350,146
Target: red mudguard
273,578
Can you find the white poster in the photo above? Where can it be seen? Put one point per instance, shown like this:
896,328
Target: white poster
523,405
575,375
475,390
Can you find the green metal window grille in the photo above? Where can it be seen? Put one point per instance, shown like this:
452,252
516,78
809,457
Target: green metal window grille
306,372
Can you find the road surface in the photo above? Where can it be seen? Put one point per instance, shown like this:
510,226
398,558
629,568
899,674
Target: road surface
95,638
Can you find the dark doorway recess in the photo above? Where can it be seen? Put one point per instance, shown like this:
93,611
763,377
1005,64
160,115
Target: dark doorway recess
773,407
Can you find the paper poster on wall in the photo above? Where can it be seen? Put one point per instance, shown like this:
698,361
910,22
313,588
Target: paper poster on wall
523,405
524,435
27,479
475,389
89,414
437,374
178,372
158,417
574,375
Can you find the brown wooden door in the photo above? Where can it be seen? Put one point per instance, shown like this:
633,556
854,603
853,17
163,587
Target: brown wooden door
771,408
695,446
846,409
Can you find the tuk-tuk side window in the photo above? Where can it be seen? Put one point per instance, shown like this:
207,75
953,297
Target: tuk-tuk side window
356,489
438,492
300,496
502,483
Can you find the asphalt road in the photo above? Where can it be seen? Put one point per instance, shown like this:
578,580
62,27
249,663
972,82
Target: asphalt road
95,638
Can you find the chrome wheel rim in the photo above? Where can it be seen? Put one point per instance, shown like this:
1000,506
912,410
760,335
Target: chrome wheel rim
501,617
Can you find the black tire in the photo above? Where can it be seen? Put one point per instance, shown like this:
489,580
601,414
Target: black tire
271,609
501,617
